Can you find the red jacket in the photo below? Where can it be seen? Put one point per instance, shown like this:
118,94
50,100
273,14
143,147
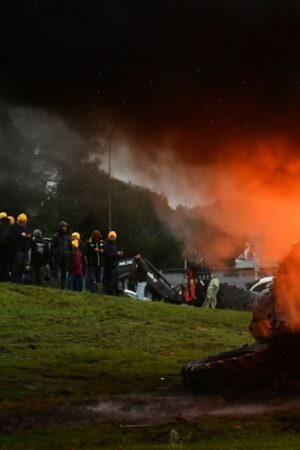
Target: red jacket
76,263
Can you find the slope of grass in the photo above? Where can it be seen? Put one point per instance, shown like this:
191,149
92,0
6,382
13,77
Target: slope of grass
61,348
58,343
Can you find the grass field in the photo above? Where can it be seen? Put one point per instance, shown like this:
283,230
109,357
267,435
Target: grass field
63,354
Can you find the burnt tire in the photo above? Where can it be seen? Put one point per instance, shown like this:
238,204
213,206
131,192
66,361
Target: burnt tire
242,367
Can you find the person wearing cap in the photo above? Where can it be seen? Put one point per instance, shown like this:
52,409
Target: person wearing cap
20,242
111,256
94,259
4,247
39,258
76,236
140,275
60,255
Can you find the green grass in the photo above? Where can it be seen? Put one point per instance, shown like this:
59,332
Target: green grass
87,345
205,435
59,348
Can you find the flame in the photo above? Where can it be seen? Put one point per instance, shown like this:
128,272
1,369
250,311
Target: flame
255,186
287,288
247,191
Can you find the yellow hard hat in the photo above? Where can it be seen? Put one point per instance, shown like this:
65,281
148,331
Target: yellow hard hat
22,218
112,235
75,235
75,243
11,219
2,215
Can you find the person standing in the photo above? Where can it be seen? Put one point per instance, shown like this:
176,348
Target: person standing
248,253
60,254
140,275
76,268
211,293
39,259
76,236
4,247
111,256
11,219
20,241
94,258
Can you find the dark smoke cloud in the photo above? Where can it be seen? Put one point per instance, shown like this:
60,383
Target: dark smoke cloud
211,71
37,151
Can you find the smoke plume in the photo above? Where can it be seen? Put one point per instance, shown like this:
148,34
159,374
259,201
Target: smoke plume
204,97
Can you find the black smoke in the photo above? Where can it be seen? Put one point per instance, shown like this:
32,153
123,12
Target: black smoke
209,70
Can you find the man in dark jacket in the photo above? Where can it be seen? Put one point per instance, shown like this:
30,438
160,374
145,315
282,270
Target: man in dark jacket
20,241
4,247
140,275
60,254
94,259
111,256
39,259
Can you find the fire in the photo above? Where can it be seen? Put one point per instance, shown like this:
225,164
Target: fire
248,191
258,192
253,189
256,189
287,288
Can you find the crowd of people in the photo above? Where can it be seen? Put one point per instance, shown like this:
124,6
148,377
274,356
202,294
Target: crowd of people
64,261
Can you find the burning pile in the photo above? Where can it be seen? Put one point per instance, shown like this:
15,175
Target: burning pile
272,361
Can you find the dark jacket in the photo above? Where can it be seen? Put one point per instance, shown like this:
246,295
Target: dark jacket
82,247
4,234
60,246
18,242
140,270
110,257
93,257
39,252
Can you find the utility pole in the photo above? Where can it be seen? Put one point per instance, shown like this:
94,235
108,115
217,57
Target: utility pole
109,184
106,148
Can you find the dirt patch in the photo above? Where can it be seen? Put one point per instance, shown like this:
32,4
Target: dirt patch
146,410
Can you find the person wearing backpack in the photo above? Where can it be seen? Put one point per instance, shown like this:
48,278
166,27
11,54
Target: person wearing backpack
94,259
60,255
39,258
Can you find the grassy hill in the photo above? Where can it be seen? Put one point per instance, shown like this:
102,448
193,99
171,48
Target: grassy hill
61,351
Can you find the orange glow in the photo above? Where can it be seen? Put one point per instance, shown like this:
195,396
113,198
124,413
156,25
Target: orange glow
251,190
287,288
256,191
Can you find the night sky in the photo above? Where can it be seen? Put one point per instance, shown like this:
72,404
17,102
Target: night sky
203,99
207,72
